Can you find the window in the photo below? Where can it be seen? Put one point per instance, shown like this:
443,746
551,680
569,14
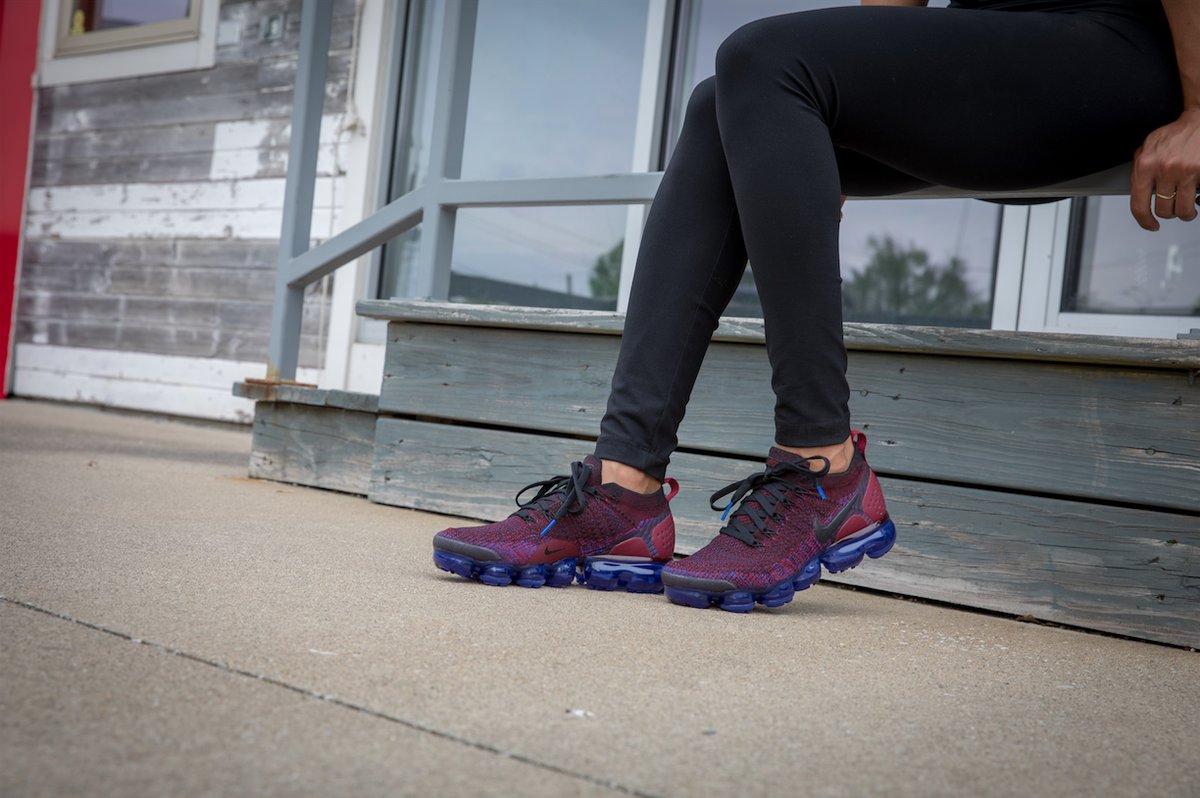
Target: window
554,92
1106,275
87,26
91,40
903,262
598,87
559,257
1116,267
559,90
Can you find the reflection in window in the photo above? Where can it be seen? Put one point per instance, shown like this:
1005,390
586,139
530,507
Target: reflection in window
412,138
554,92
554,88
919,261
561,257
399,276
94,15
87,26
910,262
414,116
1120,268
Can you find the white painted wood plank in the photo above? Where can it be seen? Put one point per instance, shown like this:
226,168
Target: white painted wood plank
213,224
184,386
249,148
177,400
224,209
194,196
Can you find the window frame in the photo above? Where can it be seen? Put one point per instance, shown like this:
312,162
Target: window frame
648,135
124,37
161,47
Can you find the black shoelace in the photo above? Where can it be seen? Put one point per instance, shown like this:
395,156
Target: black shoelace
763,495
569,492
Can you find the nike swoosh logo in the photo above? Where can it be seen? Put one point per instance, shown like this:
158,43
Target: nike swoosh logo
826,532
549,552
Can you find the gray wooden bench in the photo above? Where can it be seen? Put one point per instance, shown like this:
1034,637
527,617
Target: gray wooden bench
1101,529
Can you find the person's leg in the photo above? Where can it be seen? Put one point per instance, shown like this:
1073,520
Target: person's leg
677,303
867,101
939,96
971,99
689,263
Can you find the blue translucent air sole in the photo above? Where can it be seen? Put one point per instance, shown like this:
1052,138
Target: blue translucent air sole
837,558
632,577
596,572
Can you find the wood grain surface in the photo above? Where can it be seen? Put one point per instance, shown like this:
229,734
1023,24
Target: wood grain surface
1101,432
1120,570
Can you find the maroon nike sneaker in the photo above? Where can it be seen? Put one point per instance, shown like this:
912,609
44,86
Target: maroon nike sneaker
792,520
576,526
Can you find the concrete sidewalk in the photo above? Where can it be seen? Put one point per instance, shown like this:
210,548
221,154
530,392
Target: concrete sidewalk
170,627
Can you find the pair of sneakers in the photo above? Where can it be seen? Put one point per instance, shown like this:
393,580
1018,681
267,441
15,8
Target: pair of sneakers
783,524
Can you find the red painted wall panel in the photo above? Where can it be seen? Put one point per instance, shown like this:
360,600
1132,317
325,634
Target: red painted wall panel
18,60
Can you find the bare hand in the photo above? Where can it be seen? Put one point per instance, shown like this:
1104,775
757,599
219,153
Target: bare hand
1166,171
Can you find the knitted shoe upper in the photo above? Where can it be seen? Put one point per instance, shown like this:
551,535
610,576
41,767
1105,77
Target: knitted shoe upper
575,515
787,515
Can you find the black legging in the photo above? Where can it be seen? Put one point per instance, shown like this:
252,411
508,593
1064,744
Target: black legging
864,101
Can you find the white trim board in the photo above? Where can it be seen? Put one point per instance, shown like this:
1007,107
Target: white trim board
360,159
180,386
365,373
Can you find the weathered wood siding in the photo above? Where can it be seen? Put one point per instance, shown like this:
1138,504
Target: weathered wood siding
155,201
322,447
1100,432
307,436
1183,353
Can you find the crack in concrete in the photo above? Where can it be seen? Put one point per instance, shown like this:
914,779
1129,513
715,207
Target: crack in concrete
307,693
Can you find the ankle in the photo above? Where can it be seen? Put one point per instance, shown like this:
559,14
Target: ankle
839,455
628,477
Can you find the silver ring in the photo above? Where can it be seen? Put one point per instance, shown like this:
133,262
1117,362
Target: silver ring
1166,197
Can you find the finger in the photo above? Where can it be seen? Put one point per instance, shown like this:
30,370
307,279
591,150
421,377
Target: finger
1164,202
1185,201
1141,187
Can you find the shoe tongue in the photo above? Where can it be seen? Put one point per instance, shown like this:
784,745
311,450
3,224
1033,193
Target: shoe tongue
594,478
777,456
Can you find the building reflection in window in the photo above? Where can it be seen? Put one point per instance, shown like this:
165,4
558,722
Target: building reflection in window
903,262
554,93
1121,268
